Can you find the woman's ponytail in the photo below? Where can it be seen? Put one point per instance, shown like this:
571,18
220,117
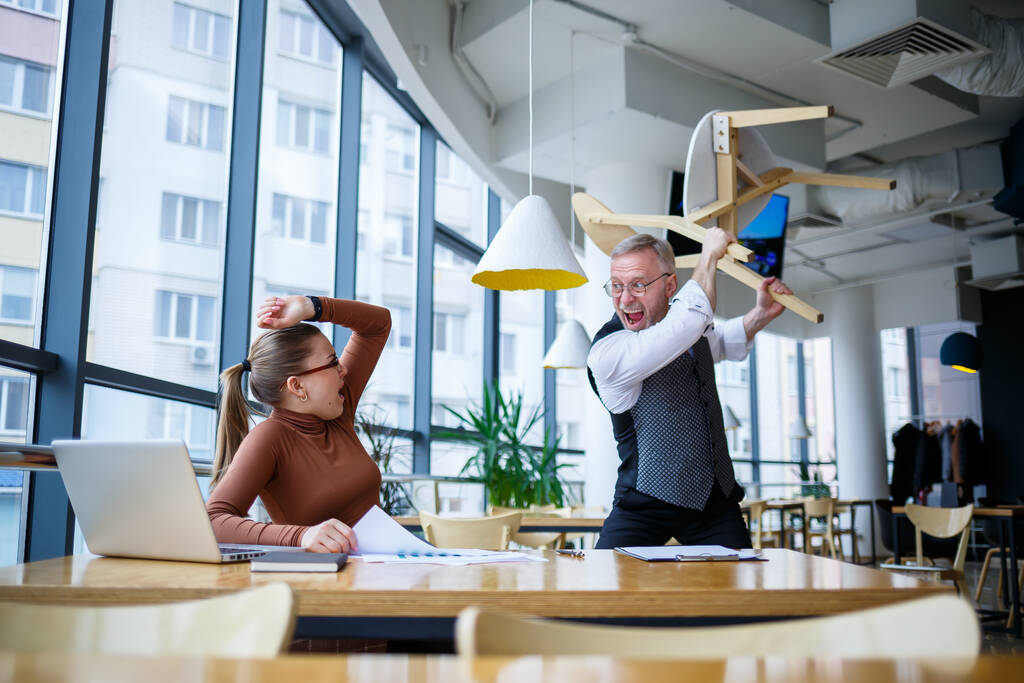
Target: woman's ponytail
233,421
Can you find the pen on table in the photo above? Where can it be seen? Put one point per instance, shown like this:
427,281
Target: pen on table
570,552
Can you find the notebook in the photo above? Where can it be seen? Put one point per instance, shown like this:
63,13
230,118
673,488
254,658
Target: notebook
689,553
141,499
298,562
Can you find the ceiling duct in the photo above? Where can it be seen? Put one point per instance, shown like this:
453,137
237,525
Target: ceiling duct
998,264
804,210
889,43
971,173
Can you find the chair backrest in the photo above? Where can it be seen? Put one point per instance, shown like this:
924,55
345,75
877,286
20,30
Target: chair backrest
941,523
536,539
820,507
756,510
937,627
252,623
487,533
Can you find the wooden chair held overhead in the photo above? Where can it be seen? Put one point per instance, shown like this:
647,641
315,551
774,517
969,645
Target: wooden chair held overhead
939,523
487,533
252,623
942,626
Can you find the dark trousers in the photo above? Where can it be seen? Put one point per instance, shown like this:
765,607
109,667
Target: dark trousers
639,519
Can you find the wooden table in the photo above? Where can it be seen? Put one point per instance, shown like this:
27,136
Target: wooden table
406,601
796,505
1006,515
39,667
532,524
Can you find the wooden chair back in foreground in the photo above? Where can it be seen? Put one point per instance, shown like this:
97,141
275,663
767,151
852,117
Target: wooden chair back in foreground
487,533
939,523
942,626
251,623
824,508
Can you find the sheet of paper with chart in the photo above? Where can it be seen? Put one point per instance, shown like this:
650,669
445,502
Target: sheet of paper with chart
382,539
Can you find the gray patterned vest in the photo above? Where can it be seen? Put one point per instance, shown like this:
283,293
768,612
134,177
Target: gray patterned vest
672,442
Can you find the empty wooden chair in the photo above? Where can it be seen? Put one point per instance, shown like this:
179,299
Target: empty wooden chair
488,533
537,539
839,531
252,623
760,535
937,627
824,508
939,523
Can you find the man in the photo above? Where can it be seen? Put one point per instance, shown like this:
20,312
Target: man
652,365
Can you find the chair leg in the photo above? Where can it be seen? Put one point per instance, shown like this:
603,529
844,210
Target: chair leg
984,573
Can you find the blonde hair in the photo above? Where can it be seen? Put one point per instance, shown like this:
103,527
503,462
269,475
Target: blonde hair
274,357
640,241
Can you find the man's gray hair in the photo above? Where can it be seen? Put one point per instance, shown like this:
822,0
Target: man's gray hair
640,241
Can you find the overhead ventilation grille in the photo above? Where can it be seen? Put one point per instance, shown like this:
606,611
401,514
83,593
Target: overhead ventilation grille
905,54
812,221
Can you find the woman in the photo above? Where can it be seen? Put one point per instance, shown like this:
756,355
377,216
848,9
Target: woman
305,461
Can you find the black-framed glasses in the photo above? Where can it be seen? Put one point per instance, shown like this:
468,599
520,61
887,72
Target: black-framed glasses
615,289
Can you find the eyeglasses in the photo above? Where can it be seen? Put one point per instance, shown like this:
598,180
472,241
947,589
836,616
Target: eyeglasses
615,289
332,364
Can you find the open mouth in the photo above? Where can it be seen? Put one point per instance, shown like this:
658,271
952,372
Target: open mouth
634,317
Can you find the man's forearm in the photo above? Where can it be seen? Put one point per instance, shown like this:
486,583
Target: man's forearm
754,321
704,275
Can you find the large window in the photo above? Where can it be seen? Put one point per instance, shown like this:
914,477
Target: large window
820,407
24,86
17,289
460,198
201,31
387,241
156,293
297,196
458,332
777,408
896,382
733,381
521,351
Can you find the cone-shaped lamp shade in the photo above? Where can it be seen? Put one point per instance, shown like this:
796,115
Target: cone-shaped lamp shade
961,351
729,418
529,252
799,430
570,348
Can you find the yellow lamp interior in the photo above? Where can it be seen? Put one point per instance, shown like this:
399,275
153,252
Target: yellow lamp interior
528,278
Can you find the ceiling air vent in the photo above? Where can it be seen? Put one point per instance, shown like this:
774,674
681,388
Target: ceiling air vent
905,54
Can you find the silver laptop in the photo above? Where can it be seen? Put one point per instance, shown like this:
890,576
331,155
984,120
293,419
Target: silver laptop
141,499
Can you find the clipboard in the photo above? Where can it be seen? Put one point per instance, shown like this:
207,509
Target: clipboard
690,553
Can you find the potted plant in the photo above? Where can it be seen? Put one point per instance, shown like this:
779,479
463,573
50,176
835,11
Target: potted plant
379,441
514,473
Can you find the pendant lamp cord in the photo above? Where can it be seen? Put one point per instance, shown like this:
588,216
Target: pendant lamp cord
531,96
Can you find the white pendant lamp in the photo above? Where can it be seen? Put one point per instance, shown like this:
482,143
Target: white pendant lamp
529,251
570,348
729,419
799,430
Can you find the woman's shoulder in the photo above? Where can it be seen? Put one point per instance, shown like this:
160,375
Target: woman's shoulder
265,436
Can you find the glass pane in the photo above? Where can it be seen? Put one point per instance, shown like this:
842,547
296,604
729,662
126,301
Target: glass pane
521,352
820,404
16,391
947,394
733,381
383,275
179,31
28,75
447,459
777,408
572,386
896,382
457,364
460,200
295,186
153,84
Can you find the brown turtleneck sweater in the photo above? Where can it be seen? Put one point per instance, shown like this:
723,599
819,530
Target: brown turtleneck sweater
304,469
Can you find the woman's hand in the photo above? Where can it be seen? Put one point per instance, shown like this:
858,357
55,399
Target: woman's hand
330,536
277,312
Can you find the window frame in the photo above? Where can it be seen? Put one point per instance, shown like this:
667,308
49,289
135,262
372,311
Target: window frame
17,105
194,14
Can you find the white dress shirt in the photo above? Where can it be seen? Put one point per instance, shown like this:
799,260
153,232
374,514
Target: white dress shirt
621,361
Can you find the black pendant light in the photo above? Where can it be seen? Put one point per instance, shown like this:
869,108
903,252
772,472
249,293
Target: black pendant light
961,351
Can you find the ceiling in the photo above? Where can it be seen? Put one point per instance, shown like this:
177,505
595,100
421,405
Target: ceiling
644,72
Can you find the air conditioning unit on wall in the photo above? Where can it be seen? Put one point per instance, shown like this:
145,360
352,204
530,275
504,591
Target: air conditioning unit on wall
201,355
998,264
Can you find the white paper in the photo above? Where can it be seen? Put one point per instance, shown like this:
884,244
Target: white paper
684,552
378,533
381,539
